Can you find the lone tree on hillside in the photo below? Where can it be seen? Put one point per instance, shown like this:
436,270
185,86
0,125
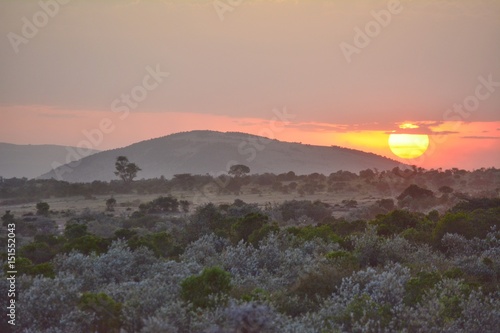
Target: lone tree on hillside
238,170
125,170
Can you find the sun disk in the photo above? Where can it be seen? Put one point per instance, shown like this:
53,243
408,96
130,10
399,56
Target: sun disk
408,146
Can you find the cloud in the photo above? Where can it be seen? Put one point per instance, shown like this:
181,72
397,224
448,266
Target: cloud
251,122
342,128
319,127
407,127
58,115
421,127
420,131
481,137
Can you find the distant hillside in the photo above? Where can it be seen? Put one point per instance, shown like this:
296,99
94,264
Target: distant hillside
31,161
201,152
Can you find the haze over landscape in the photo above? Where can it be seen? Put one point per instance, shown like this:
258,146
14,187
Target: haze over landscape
257,166
104,75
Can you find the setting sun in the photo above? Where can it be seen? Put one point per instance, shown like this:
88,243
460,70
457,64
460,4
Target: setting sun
408,146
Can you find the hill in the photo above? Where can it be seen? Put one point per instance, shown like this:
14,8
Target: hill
202,152
32,160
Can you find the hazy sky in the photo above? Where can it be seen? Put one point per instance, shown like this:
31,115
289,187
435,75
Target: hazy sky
134,70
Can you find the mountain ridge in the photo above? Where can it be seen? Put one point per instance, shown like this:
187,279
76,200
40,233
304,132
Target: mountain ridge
31,160
212,152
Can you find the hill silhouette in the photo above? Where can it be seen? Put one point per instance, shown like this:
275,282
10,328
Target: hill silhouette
32,160
202,152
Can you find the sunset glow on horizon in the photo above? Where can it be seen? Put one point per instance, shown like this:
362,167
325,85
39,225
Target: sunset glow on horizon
408,146
422,87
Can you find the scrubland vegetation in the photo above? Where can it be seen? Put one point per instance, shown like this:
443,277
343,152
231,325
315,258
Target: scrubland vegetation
422,255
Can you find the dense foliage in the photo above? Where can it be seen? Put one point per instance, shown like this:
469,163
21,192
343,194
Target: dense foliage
239,267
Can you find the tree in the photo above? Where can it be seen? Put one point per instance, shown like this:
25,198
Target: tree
367,174
185,205
238,170
445,189
110,204
125,170
416,192
42,208
7,218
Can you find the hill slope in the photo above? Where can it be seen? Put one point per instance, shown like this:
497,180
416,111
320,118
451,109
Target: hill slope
32,160
201,152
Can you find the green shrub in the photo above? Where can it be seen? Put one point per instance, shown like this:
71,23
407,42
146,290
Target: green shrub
46,269
245,227
453,223
107,312
75,230
88,244
37,252
257,235
343,227
199,290
161,243
396,222
322,231
417,286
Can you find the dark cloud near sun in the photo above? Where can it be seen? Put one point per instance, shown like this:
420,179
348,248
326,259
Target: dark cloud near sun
58,115
481,137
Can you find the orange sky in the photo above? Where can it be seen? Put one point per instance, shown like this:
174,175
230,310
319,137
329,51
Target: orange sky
460,145
187,65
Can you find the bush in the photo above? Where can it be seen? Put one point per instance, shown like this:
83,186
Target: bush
416,287
7,218
37,252
472,204
110,204
105,310
293,210
324,232
453,223
75,230
243,229
396,222
200,290
88,244
161,243
160,205
42,208
344,228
